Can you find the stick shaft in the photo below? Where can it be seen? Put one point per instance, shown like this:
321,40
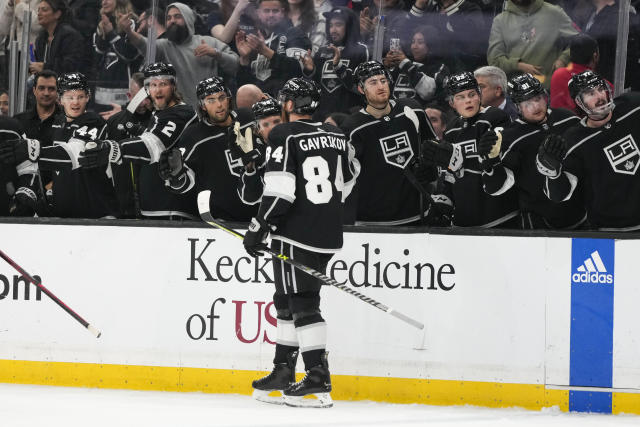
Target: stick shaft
50,294
203,206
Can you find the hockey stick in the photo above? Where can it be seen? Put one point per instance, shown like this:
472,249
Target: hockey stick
55,299
425,194
205,214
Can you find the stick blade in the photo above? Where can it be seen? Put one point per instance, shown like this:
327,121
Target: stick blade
203,201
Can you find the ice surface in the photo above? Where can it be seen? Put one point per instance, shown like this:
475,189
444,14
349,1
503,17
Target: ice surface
37,406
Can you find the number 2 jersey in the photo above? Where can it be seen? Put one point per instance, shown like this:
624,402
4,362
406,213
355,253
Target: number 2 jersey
310,171
162,132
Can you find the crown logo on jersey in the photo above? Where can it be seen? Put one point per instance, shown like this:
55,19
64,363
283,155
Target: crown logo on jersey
623,155
397,149
236,167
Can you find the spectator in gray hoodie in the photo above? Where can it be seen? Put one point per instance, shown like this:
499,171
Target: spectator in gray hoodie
195,57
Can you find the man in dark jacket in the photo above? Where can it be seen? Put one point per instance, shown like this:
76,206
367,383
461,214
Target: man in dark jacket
38,124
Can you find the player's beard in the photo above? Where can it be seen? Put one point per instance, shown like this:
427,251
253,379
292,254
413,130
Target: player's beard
216,121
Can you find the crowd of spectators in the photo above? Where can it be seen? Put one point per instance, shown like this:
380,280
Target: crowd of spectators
257,45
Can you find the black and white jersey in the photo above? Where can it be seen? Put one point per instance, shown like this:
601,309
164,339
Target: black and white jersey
337,96
251,185
163,130
385,147
473,206
210,165
422,82
123,125
605,161
520,144
10,128
310,172
78,192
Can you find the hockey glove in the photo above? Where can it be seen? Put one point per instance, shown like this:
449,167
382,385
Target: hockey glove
15,151
488,146
550,155
243,146
424,172
100,153
443,154
125,122
255,239
171,166
440,212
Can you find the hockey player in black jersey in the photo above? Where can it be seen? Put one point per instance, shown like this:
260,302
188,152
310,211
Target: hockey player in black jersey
200,160
386,135
10,128
310,171
126,124
511,161
77,193
267,114
600,153
169,119
473,206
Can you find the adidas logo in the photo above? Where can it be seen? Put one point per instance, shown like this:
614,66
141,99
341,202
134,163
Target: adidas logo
592,270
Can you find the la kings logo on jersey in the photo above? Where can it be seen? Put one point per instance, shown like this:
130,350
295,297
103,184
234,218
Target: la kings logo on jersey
329,80
397,149
402,87
468,148
623,155
235,163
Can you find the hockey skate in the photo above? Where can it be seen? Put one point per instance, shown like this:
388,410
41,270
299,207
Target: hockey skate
269,389
316,383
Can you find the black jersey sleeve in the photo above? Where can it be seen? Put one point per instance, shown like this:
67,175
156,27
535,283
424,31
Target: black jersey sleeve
251,186
164,129
279,177
70,142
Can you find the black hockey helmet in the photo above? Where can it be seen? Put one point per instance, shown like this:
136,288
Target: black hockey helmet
159,70
589,80
265,108
72,81
210,86
460,82
370,69
523,87
304,93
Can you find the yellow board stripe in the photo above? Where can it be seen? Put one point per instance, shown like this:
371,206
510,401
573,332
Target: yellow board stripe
345,387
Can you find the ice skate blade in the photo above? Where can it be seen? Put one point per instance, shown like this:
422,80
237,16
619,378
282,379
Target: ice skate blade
264,396
322,400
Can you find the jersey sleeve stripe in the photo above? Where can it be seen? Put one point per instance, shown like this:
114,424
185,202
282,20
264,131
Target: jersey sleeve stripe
280,184
73,148
153,144
508,183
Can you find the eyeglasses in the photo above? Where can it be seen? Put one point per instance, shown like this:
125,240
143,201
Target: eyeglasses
211,101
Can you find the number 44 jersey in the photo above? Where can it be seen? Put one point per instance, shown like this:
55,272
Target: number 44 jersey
310,171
